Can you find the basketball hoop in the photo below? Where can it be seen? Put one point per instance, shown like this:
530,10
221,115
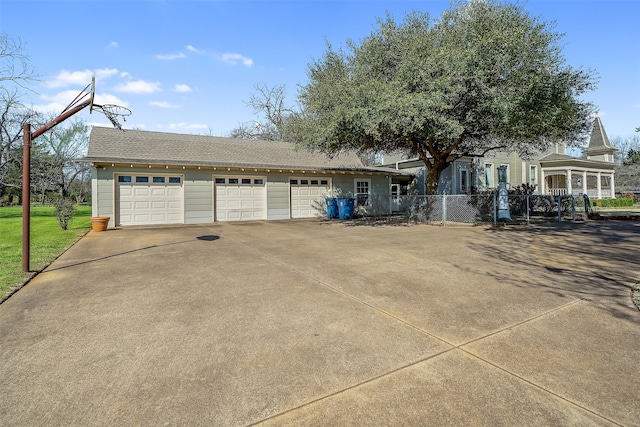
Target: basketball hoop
112,112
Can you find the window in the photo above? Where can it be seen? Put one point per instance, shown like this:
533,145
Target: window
142,179
362,192
533,175
233,180
294,182
324,182
258,181
220,180
158,179
304,182
488,175
506,176
464,181
124,178
175,180
314,182
246,180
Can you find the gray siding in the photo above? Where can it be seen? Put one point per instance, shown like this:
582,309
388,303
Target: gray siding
105,197
278,197
198,197
199,192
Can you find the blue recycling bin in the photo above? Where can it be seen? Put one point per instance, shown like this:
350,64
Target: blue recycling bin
346,208
332,207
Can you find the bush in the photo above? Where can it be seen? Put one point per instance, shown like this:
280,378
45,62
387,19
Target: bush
628,195
65,209
613,203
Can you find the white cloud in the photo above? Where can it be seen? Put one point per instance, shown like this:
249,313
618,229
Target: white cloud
227,58
113,45
187,126
68,78
59,101
139,86
163,104
170,56
182,88
106,98
235,58
194,50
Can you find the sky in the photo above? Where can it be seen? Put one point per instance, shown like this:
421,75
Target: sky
188,66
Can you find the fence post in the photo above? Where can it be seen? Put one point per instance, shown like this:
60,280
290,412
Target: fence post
559,208
495,210
573,208
528,197
444,210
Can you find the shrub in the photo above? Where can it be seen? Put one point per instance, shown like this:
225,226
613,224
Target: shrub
65,209
628,195
613,203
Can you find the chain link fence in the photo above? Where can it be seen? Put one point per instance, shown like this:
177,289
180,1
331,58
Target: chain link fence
470,209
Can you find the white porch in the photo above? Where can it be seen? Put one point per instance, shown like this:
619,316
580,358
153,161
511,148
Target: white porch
597,184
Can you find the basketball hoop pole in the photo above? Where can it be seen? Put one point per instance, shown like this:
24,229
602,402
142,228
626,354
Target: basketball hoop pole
27,138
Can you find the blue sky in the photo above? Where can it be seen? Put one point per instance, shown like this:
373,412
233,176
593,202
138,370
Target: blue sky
189,66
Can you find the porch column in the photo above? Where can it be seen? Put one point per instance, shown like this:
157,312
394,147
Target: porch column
613,186
569,186
584,183
542,182
599,177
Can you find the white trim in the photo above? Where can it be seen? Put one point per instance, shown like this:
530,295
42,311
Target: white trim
491,182
355,189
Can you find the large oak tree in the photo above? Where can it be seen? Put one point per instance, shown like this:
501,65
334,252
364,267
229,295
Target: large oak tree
484,76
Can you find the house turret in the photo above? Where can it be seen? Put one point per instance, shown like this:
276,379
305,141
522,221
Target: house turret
599,148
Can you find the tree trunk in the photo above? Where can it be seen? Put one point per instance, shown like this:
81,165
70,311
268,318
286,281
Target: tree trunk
434,170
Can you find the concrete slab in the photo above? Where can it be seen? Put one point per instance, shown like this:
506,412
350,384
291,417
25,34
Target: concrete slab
311,322
586,356
453,389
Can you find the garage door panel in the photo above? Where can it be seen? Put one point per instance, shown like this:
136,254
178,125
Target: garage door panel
240,198
140,191
140,204
307,197
158,192
141,218
142,200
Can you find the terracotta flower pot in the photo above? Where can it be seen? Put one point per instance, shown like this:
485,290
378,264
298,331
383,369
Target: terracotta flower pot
100,223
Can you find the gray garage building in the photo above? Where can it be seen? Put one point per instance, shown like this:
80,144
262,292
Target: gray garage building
142,177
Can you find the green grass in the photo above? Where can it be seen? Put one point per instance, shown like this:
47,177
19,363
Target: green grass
48,241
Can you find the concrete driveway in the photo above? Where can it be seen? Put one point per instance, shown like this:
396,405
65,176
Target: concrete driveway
318,323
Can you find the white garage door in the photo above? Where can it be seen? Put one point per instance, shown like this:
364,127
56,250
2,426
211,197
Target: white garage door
149,199
307,197
240,198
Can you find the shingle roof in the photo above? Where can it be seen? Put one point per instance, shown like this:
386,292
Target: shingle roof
134,146
599,142
555,157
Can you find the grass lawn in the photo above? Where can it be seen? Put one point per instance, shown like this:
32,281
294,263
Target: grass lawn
48,241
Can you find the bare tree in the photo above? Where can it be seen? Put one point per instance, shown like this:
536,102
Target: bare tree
270,103
15,69
62,146
15,75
